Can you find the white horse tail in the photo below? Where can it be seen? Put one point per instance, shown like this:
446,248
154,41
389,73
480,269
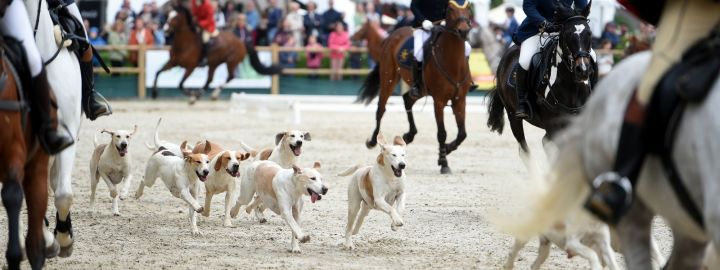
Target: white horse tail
350,170
551,200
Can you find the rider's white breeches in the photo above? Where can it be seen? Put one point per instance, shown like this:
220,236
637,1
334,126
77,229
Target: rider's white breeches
532,45
73,9
16,24
420,36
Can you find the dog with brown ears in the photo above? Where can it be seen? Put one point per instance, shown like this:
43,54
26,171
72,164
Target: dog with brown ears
380,186
288,148
110,161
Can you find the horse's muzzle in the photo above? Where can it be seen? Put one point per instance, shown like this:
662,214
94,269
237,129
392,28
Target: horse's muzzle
582,69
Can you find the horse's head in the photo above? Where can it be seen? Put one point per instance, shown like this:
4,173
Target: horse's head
361,33
575,40
178,18
457,18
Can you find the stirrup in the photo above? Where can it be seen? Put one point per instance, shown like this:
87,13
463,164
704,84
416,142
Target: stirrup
610,198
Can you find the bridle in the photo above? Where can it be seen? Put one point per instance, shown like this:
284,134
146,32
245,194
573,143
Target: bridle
434,46
571,57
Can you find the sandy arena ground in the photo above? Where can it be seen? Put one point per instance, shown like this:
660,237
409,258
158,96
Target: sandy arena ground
446,223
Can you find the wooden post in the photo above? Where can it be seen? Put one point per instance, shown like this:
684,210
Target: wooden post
141,72
275,84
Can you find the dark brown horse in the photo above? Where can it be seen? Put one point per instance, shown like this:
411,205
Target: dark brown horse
374,40
445,72
23,170
186,50
565,96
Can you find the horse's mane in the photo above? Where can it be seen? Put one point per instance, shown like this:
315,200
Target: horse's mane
181,9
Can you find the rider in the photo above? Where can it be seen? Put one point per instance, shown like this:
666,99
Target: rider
204,14
682,23
92,107
426,14
539,18
16,24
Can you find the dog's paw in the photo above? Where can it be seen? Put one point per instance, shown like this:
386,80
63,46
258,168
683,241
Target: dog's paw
348,246
123,197
197,232
228,224
304,238
234,212
206,213
296,250
117,214
262,220
199,210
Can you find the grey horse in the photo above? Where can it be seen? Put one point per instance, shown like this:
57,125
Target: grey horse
587,148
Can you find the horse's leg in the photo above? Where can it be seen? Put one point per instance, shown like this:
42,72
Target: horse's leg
634,235
441,135
409,102
458,107
210,75
12,198
61,173
36,198
165,67
188,71
516,125
231,75
387,82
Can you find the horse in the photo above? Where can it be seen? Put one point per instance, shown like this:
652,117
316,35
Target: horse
374,40
186,49
24,169
63,72
445,72
588,147
569,86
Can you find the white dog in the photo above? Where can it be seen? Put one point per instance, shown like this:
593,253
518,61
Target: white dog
180,175
288,147
281,191
380,186
112,163
226,169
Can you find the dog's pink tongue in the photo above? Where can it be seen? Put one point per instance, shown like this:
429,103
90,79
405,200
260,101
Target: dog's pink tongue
297,151
314,197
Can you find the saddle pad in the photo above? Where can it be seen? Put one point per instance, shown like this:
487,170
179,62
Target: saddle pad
406,56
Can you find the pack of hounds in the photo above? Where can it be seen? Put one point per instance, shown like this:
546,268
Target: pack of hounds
271,179
268,179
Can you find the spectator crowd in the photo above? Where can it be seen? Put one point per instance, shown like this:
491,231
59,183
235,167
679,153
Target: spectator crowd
296,25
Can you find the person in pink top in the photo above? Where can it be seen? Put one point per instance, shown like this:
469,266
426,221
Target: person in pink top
338,42
313,54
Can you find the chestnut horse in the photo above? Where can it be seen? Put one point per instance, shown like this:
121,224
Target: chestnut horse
186,49
24,170
445,72
374,40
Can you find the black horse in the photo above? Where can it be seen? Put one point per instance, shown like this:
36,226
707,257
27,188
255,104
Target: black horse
566,92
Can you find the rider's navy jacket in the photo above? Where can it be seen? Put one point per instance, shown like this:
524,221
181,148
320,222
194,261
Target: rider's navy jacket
431,10
537,12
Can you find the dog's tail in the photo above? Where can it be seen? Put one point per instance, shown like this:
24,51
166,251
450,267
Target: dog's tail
350,170
95,141
253,152
156,139
551,199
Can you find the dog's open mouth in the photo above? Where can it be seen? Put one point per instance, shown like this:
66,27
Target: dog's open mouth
297,150
201,177
121,151
233,173
314,196
396,172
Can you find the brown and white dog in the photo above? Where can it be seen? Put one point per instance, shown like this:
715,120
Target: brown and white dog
111,163
225,166
281,191
380,186
180,175
288,147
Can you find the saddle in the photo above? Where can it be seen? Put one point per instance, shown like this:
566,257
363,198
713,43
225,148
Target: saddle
71,29
688,82
540,66
13,51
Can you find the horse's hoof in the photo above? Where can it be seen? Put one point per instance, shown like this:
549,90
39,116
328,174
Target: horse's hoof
154,95
370,144
408,138
215,94
192,100
53,250
445,170
66,251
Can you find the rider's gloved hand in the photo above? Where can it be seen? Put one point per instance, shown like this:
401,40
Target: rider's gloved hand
549,27
427,25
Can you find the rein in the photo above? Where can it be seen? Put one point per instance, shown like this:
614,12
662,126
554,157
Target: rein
443,71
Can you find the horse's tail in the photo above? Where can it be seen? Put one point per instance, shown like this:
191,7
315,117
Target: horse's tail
156,138
550,198
496,120
371,87
257,65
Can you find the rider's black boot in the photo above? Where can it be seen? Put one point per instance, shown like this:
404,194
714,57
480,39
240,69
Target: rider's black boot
204,55
92,107
44,116
415,90
523,105
612,191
